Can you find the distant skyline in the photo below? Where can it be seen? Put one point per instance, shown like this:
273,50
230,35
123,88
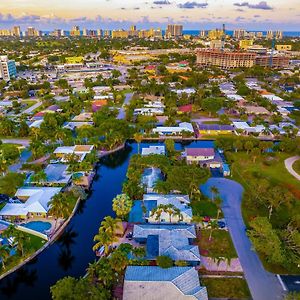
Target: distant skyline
111,14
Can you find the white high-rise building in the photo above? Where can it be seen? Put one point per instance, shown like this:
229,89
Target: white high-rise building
8,68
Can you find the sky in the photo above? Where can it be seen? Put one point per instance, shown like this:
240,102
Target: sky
112,14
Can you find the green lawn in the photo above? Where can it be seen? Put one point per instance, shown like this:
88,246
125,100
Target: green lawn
235,288
220,244
34,243
204,208
296,166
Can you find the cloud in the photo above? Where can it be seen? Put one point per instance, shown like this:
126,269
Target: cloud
192,5
261,5
161,2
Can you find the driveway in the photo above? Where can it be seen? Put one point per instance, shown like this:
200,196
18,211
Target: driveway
262,284
289,166
122,113
23,142
32,108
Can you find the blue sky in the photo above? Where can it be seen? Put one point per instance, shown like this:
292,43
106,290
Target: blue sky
109,14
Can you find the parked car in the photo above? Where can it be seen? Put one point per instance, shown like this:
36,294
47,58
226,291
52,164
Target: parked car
129,236
206,219
4,198
221,224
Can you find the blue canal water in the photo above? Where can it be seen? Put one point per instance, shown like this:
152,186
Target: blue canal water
71,254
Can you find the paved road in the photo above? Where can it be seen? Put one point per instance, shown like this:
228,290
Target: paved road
262,284
23,142
32,108
289,166
122,113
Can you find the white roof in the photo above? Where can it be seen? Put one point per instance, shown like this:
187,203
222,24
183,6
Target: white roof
154,150
235,97
240,125
64,150
36,124
272,97
37,202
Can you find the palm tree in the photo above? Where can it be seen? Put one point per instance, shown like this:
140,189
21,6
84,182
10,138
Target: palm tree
157,211
218,203
110,225
92,271
118,261
4,254
21,240
138,138
214,191
104,239
122,205
213,225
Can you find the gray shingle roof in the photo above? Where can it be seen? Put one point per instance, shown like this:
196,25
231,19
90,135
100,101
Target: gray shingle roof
173,240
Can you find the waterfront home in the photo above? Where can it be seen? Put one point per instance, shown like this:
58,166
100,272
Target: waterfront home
33,201
159,150
180,202
56,174
151,282
73,125
178,130
205,157
245,128
175,241
215,129
78,151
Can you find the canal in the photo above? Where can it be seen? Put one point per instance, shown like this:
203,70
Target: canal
71,254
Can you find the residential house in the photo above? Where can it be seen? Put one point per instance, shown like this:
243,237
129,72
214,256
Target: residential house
206,157
175,241
215,129
152,283
160,150
181,202
79,151
182,127
33,201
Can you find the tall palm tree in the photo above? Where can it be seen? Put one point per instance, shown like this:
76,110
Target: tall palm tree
103,238
110,225
214,191
218,202
138,138
4,254
21,240
213,225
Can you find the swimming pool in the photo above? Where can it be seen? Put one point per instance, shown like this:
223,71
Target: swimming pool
38,226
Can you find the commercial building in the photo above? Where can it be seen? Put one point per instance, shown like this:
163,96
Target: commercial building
245,44
225,59
75,31
174,30
120,34
283,47
16,31
215,34
272,61
239,34
231,60
32,32
8,68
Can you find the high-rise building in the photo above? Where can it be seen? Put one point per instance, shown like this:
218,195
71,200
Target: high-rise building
278,35
225,60
203,33
57,33
239,34
8,68
259,34
85,32
16,31
174,30
5,32
99,32
31,32
216,34
269,35
119,34
107,33
75,31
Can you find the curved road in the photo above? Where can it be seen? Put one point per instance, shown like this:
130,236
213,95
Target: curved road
262,284
289,166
